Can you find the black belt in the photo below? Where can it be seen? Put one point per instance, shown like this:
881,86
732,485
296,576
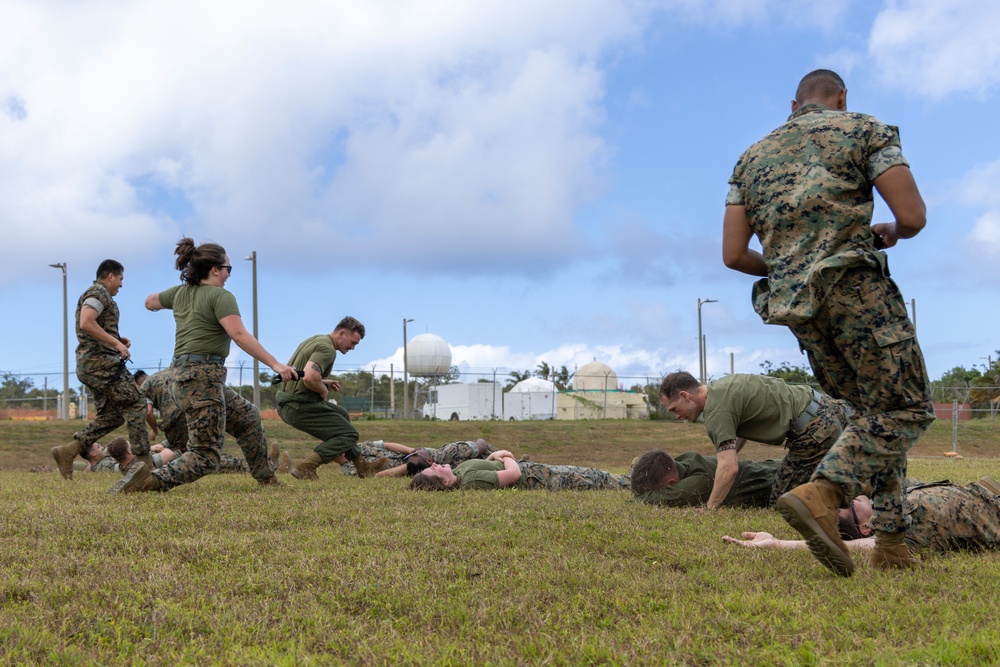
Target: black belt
213,358
807,415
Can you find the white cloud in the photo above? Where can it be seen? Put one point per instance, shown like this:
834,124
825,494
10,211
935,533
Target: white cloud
406,131
979,189
938,48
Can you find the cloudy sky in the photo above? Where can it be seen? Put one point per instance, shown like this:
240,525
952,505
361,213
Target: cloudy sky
531,181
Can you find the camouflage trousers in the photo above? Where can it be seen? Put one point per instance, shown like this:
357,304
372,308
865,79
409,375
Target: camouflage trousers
452,453
863,349
568,478
212,409
242,422
808,447
326,421
946,517
118,402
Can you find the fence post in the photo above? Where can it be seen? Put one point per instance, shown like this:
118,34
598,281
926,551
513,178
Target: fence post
954,425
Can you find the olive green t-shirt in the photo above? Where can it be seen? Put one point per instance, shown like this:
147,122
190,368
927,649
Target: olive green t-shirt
197,311
318,349
478,474
752,487
755,407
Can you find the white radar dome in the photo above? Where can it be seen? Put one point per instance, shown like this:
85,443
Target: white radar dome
427,355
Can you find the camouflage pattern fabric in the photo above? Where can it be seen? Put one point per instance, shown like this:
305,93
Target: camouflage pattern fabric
92,356
208,405
227,464
947,517
108,464
807,448
863,349
808,192
452,453
328,422
117,399
158,390
536,476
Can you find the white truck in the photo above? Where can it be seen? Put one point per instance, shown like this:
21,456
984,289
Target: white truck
472,401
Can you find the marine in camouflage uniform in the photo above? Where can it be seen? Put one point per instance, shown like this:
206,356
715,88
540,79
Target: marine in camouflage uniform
205,314
452,453
482,475
158,392
227,464
806,192
947,517
213,409
242,419
101,367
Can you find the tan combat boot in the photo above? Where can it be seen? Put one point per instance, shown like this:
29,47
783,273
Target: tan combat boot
64,456
284,463
138,479
811,509
147,459
891,553
990,485
306,468
368,468
273,456
270,481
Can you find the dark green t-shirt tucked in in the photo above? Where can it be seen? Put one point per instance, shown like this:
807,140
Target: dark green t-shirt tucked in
752,487
317,349
197,311
755,407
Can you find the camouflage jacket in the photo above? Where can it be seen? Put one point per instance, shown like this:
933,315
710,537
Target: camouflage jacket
808,192
93,356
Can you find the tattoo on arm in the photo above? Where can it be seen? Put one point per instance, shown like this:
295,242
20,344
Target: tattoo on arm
726,446
316,367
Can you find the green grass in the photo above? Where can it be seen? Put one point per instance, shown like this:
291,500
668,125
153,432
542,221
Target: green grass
348,571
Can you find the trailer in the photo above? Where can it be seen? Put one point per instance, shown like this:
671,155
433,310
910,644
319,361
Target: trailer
463,402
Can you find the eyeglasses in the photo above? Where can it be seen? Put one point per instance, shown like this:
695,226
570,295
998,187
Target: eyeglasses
855,515
227,268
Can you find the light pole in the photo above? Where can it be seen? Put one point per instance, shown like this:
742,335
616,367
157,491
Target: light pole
64,407
256,364
702,361
406,390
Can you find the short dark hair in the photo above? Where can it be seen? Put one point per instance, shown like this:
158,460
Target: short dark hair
109,266
139,374
117,448
819,84
352,325
649,471
416,463
677,382
848,528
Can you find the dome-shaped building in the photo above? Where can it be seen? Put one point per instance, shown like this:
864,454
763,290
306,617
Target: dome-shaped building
427,355
595,376
532,384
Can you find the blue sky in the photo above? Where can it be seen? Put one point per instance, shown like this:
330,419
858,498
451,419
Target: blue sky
530,181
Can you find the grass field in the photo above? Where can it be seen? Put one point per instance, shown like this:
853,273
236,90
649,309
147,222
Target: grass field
348,571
